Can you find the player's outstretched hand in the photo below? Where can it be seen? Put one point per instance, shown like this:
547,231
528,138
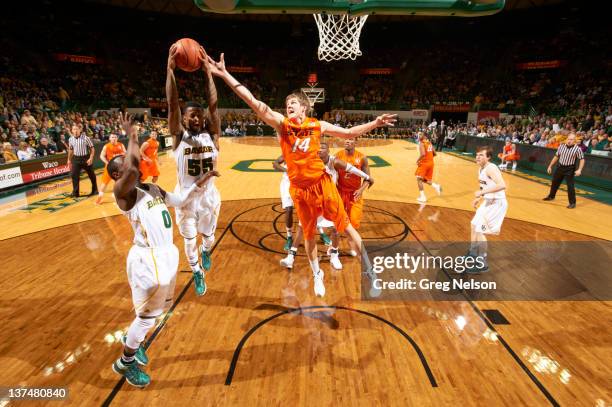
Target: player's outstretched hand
204,60
127,123
204,179
217,68
386,119
172,57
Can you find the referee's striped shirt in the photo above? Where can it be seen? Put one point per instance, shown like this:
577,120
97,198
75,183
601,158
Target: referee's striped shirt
568,155
79,145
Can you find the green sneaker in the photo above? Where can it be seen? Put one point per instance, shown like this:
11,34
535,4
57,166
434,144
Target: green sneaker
206,260
141,356
200,283
288,243
132,373
325,239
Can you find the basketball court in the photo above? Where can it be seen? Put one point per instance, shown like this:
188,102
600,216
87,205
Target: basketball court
260,334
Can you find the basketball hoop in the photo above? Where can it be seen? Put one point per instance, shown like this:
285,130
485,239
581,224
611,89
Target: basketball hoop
315,95
339,36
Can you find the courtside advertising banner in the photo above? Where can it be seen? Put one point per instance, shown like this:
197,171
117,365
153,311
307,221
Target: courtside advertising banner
51,166
10,176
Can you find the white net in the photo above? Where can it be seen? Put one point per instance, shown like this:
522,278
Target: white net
339,36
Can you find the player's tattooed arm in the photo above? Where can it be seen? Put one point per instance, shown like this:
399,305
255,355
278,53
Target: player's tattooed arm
172,96
263,111
277,164
210,92
336,131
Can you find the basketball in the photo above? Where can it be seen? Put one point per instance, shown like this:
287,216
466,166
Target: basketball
188,55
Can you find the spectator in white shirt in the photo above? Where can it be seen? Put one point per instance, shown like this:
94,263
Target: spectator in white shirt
25,152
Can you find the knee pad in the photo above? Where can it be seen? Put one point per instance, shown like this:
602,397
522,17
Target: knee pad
138,330
188,228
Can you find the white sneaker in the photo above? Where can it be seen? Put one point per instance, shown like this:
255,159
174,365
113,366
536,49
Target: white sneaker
438,188
287,262
319,286
353,253
421,199
335,261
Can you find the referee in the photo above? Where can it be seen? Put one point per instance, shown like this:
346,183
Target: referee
567,154
80,157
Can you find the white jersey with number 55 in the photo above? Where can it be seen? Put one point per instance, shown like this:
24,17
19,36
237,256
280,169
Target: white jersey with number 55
195,155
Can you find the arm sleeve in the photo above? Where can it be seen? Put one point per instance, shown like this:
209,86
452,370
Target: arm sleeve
353,170
178,200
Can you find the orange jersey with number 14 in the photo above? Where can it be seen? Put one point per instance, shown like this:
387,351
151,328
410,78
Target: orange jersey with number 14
300,144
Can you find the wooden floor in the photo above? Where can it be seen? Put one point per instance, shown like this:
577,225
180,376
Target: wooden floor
260,337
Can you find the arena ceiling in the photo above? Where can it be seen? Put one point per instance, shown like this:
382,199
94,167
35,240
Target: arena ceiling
187,7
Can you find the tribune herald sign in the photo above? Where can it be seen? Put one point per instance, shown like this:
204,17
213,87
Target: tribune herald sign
48,167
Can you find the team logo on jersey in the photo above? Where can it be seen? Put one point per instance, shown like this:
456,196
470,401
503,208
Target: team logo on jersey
198,150
154,202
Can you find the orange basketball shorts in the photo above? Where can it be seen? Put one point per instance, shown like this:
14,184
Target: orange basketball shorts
509,157
320,199
106,176
425,171
354,208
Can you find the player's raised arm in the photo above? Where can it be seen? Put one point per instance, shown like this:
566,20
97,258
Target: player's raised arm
174,109
337,131
263,111
125,185
210,91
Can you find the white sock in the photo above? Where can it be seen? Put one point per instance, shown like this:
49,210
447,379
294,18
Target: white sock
433,184
314,265
101,193
422,194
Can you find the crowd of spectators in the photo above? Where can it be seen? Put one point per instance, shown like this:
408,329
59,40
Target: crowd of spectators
26,135
40,96
593,130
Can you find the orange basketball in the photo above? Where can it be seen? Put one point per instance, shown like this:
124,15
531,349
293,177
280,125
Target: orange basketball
188,55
